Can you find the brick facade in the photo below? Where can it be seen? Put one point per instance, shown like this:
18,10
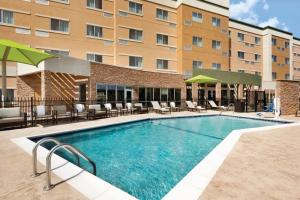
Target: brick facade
288,92
101,73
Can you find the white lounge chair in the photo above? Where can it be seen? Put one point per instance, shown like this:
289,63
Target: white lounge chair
40,113
80,111
173,107
95,111
130,108
192,107
213,105
111,112
157,108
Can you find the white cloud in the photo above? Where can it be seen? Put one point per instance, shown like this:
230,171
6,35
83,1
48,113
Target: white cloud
273,21
242,8
266,5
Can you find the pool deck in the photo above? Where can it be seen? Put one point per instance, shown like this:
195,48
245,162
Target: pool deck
16,166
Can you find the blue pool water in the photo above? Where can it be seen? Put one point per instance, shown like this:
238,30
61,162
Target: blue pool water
148,158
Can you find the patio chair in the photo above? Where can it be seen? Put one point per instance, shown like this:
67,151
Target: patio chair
164,105
120,108
60,112
80,112
213,105
111,112
192,107
157,108
11,117
130,108
40,114
140,108
95,111
173,107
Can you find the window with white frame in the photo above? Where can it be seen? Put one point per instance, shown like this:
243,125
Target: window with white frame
216,22
216,66
59,25
197,17
94,4
94,57
274,58
241,36
135,7
197,41
57,52
162,39
216,44
135,34
6,17
287,45
162,64
287,61
241,55
274,76
287,76
162,14
257,40
197,64
135,61
257,57
94,31
274,42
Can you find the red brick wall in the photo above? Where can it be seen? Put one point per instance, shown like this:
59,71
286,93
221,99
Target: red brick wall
288,91
101,73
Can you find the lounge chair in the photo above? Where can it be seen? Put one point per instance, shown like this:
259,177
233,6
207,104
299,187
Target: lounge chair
40,114
140,108
213,105
173,107
192,107
111,112
80,112
95,111
60,112
121,110
130,108
11,117
157,108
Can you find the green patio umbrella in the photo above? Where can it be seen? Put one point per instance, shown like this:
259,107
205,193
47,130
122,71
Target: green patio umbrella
15,52
202,79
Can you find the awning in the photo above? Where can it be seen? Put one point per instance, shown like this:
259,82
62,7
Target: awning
202,79
226,77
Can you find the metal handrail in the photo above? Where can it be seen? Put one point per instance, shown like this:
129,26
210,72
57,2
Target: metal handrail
34,153
49,186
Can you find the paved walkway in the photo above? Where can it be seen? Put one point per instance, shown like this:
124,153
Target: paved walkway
263,165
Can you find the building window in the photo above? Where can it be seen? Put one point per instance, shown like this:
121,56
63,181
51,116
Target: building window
57,52
197,64
197,41
135,34
162,64
94,31
274,76
216,66
241,37
287,45
135,7
6,17
197,17
94,57
216,22
287,61
274,58
162,39
135,61
94,4
59,25
287,76
257,57
241,55
216,44
162,14
274,42
257,40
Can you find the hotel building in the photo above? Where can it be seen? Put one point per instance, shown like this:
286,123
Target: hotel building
153,44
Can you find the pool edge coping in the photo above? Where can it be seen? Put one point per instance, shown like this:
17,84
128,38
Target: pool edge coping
185,187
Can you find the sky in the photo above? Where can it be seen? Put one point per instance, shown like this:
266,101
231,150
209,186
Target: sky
282,14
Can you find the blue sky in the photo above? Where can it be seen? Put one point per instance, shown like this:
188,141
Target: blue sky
283,14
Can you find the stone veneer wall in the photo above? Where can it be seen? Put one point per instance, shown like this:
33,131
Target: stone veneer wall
288,91
28,86
102,73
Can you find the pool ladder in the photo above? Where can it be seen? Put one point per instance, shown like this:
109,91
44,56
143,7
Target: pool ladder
69,148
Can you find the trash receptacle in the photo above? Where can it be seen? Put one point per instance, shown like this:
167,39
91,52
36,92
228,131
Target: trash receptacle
239,106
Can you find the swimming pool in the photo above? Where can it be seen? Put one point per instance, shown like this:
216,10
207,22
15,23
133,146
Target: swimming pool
148,158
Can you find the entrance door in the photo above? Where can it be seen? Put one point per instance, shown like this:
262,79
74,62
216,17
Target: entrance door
82,92
211,95
128,95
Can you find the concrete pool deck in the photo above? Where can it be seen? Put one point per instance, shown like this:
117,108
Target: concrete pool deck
15,168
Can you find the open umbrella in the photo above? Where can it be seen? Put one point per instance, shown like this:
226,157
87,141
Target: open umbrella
202,79
15,52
